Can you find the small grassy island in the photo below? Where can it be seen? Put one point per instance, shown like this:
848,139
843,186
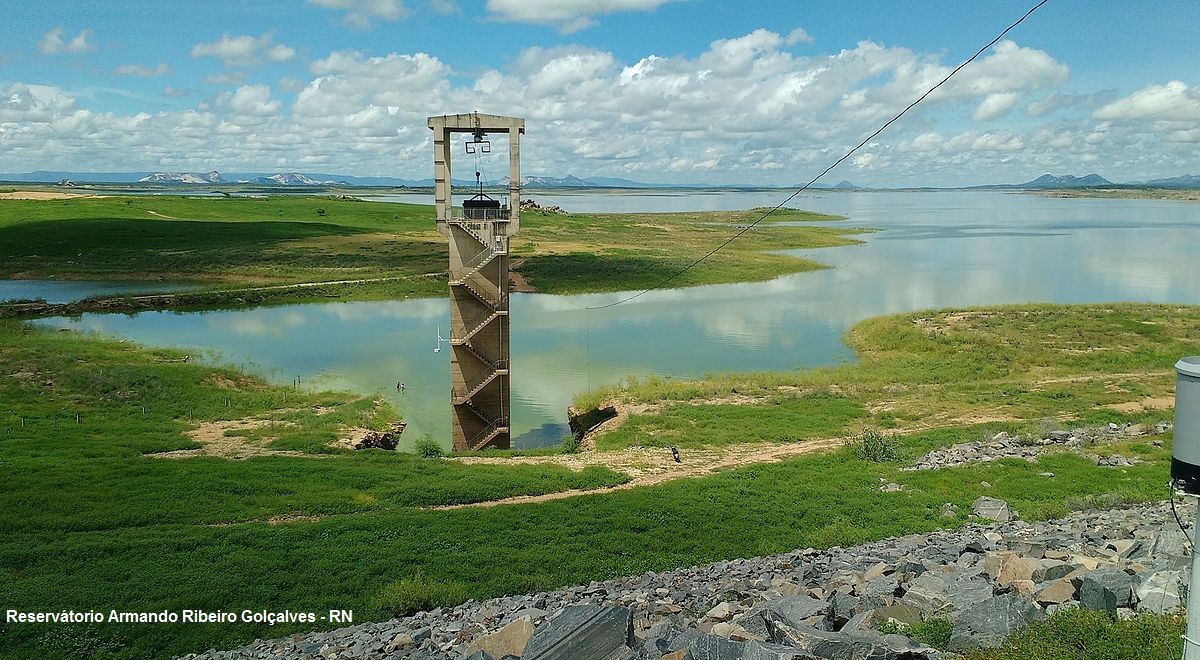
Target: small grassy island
251,251
136,479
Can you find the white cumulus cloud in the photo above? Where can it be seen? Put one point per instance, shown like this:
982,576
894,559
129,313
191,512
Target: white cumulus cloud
744,109
566,15
244,50
1174,101
799,36
140,71
361,13
54,44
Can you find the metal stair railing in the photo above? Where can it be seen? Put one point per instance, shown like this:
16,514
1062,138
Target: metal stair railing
462,224
478,382
462,333
494,302
490,431
478,356
500,246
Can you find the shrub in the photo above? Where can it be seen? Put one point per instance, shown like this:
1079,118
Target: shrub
418,593
427,447
1089,635
871,445
934,632
569,444
1101,501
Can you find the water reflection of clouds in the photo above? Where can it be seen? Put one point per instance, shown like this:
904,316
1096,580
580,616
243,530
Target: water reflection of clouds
421,308
263,322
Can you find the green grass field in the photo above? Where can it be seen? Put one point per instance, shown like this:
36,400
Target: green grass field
91,521
229,245
1026,366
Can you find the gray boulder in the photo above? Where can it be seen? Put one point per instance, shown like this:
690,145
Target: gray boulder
967,592
713,647
667,636
858,645
793,610
1161,592
841,607
1170,543
988,623
768,651
991,509
880,591
1106,590
583,631
927,593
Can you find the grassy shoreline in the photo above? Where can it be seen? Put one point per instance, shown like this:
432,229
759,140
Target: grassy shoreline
1021,364
92,521
250,251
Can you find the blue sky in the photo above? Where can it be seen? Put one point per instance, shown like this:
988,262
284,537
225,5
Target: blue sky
654,90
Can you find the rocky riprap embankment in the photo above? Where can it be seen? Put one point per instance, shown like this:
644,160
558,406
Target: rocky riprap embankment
1003,445
987,581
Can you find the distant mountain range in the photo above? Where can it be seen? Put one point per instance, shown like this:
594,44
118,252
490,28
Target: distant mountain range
1186,181
182,177
308,179
1067,181
1052,181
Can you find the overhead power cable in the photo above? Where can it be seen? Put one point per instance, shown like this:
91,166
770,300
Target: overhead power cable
837,162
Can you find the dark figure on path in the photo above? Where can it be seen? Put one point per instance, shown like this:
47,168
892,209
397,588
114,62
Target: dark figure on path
675,454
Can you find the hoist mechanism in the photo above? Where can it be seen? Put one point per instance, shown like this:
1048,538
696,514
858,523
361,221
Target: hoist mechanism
478,231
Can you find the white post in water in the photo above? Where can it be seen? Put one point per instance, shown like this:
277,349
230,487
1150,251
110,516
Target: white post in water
1185,476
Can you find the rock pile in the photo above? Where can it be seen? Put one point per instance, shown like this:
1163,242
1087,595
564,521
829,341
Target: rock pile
983,581
1003,445
530,205
386,440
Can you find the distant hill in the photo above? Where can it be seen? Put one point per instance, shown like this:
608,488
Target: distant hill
1051,181
1185,181
47,176
615,182
568,181
292,179
183,177
845,185
1066,181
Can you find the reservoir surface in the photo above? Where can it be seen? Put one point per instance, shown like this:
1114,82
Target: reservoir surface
932,250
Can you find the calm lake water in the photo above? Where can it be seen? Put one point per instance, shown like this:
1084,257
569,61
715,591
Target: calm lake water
935,249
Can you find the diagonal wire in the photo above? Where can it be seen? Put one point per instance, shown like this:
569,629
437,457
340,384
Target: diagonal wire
839,161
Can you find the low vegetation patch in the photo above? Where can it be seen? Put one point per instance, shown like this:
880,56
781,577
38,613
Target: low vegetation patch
252,251
615,252
417,593
1023,368
871,445
1082,634
427,447
934,632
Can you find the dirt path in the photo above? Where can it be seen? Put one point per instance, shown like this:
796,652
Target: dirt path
648,466
223,440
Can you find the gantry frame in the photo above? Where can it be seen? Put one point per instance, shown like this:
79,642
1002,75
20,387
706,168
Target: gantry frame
479,332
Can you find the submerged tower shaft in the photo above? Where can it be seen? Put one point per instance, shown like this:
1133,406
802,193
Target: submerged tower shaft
478,231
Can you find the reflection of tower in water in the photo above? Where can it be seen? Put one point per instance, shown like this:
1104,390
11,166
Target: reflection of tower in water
479,324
